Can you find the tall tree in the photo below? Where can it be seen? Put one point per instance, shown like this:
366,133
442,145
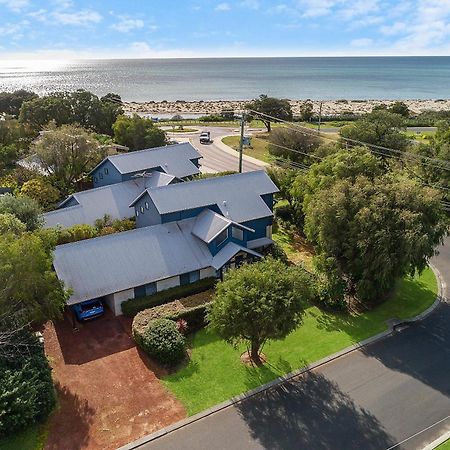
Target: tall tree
138,133
24,208
30,289
275,107
293,145
67,152
11,102
258,302
373,231
380,127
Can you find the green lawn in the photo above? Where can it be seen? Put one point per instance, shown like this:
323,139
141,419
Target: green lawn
258,149
31,439
215,372
444,446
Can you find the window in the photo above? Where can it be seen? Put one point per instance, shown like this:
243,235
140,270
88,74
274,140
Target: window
146,205
106,171
100,175
269,231
222,237
137,213
142,210
194,276
237,233
95,179
144,290
150,289
139,291
184,279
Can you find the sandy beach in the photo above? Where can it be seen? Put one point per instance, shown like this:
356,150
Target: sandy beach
329,107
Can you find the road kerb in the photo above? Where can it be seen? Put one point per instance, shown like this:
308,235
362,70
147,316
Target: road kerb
289,376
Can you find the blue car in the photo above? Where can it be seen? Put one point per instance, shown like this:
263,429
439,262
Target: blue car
88,310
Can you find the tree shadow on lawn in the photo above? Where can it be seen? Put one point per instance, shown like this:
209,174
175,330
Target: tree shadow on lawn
407,301
312,413
71,422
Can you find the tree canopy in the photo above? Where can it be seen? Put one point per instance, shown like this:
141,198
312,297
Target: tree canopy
41,191
293,145
24,208
380,127
138,133
275,107
80,107
30,290
67,153
11,102
373,231
258,302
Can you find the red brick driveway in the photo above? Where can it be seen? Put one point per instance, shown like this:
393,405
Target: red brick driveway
108,393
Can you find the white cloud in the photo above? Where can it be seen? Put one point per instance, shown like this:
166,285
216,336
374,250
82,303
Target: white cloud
222,7
127,24
363,42
395,28
250,4
15,5
84,17
13,29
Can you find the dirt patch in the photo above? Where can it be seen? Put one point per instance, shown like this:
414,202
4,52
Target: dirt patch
246,359
108,392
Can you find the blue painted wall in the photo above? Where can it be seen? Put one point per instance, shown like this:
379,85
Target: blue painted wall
215,246
71,202
268,200
106,174
259,225
150,216
187,214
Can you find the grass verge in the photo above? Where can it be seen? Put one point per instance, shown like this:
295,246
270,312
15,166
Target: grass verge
215,373
444,446
259,148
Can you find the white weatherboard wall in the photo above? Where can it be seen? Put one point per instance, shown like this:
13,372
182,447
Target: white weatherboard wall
162,285
207,273
120,297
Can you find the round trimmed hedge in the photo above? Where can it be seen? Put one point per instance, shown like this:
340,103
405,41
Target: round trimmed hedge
162,341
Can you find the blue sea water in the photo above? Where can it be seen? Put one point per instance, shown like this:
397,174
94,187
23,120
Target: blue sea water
238,78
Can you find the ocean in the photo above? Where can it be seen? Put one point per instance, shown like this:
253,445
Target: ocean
321,78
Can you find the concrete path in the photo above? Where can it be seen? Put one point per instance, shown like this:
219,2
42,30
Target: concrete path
393,394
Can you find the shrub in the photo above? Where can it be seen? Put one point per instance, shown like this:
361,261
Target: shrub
192,309
131,307
27,394
284,213
164,342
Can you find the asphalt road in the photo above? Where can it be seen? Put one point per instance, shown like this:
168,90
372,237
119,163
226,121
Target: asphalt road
377,398
214,158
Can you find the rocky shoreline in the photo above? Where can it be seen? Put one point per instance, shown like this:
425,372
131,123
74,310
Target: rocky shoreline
329,107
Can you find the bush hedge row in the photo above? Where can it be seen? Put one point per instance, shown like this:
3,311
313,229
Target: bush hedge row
131,307
27,394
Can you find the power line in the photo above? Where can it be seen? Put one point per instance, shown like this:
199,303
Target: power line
434,162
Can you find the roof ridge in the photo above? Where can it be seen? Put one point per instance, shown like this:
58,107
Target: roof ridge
147,150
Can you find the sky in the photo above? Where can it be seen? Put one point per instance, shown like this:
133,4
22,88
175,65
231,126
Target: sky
65,29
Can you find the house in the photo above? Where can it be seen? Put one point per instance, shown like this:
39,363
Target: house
86,207
179,160
201,229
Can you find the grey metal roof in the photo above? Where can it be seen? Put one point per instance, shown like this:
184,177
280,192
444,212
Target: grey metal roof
112,200
104,265
260,242
209,224
173,159
238,196
230,250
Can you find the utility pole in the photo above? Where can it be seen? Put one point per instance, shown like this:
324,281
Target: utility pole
320,117
241,143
